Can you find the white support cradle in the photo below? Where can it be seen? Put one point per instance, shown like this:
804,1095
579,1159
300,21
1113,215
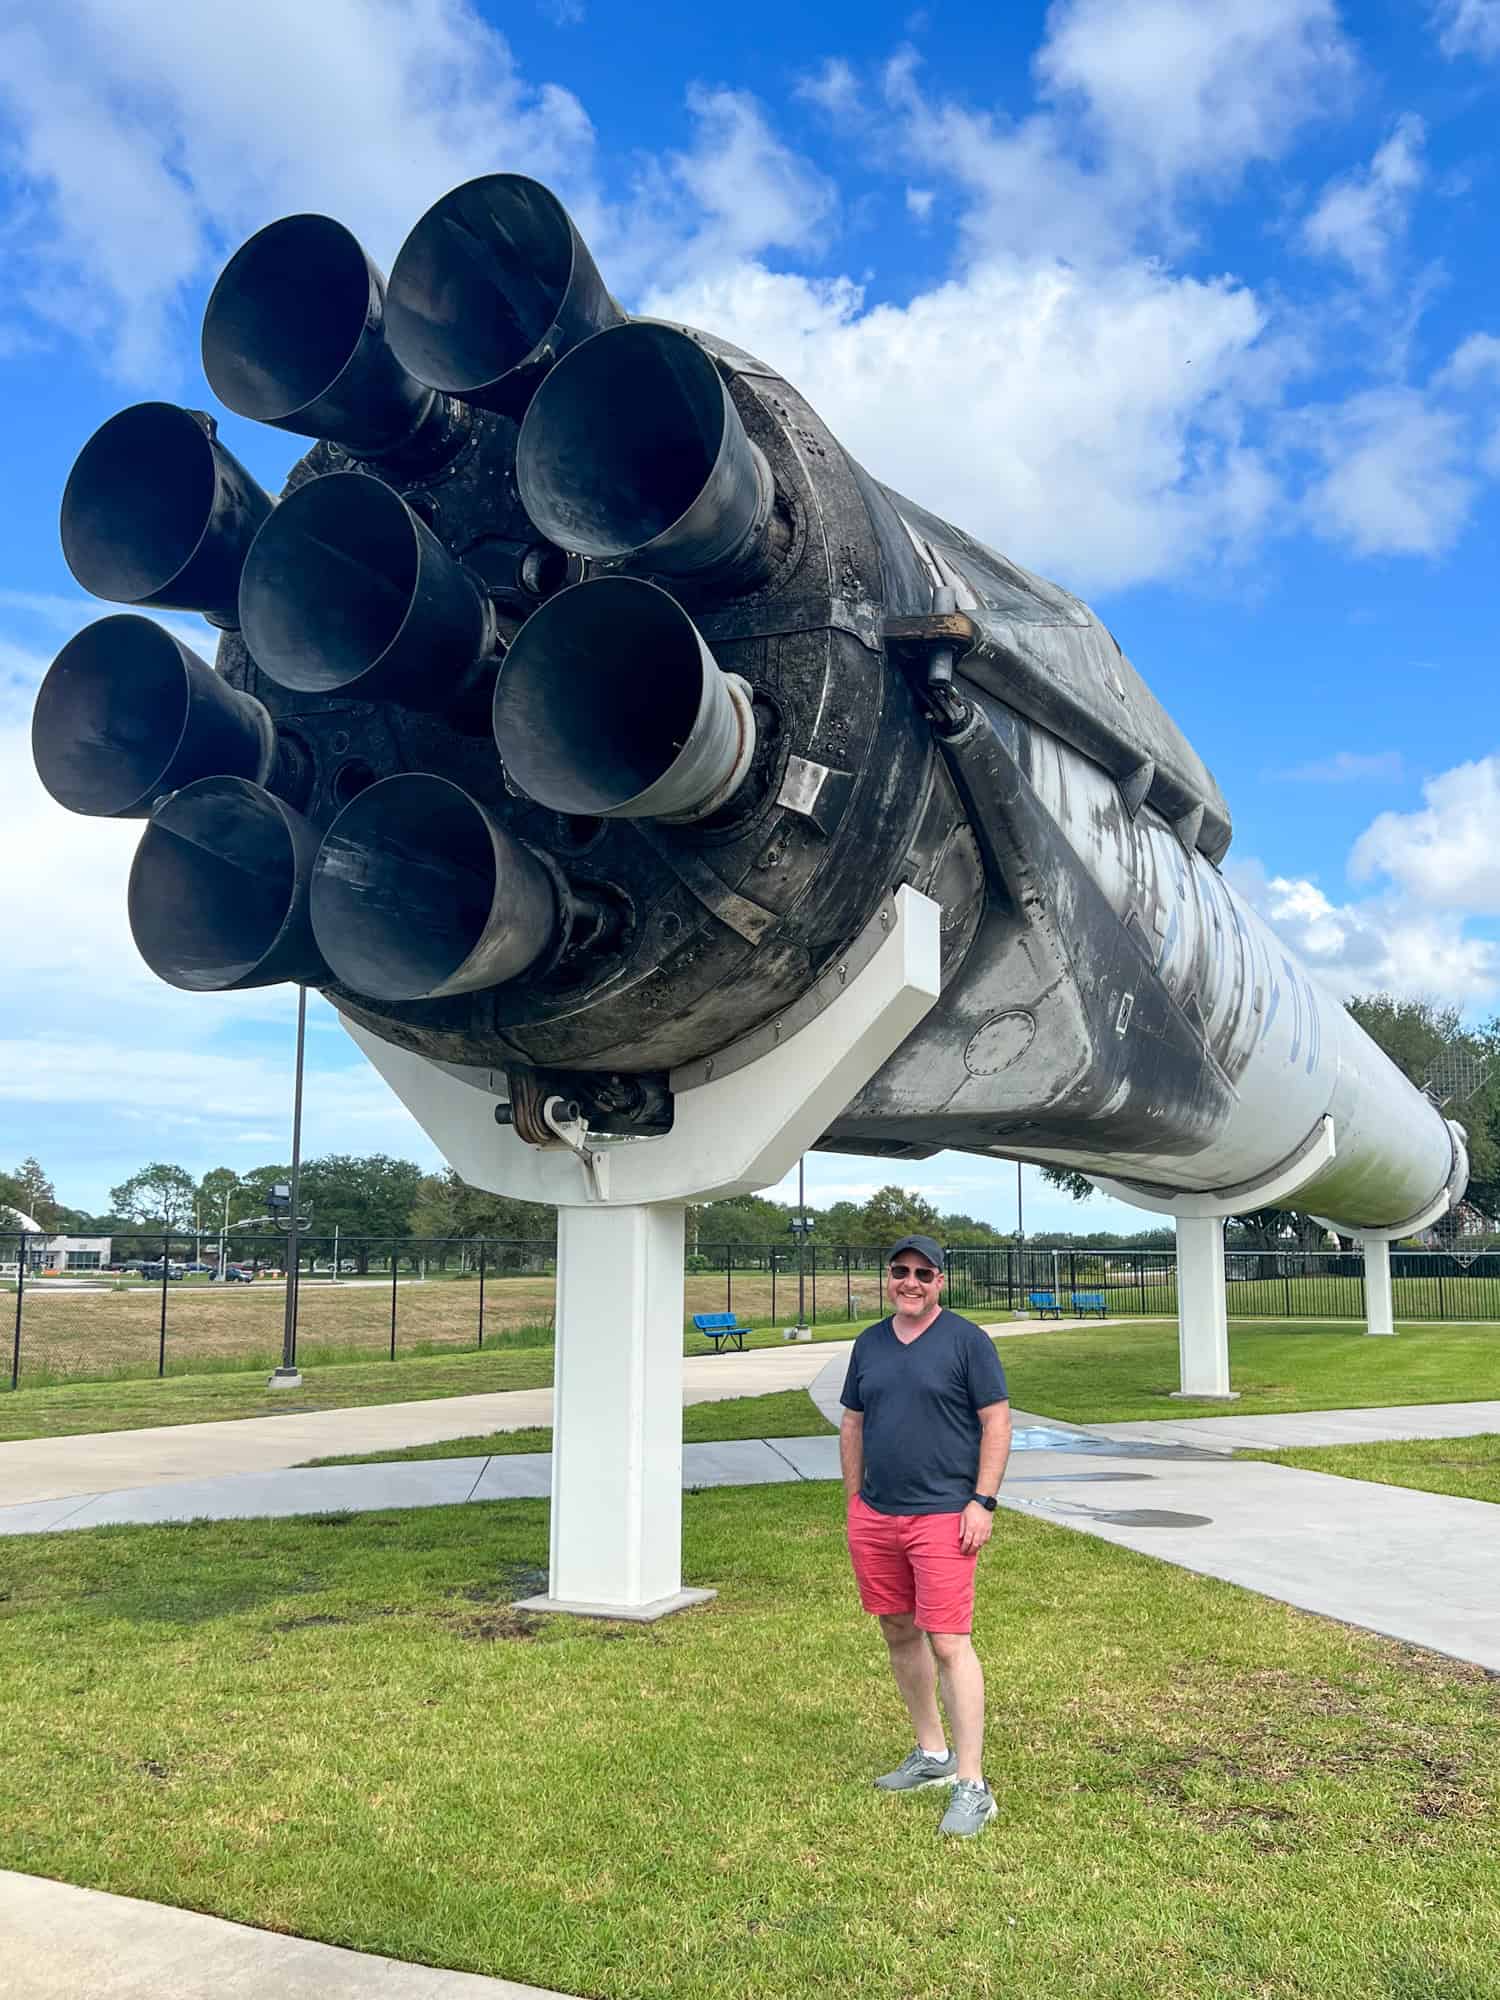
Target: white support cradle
741,1120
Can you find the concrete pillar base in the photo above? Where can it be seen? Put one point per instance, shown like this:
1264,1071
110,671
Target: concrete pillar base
634,1614
285,1378
1203,1396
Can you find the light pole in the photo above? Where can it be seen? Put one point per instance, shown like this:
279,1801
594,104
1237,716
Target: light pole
288,1376
800,1226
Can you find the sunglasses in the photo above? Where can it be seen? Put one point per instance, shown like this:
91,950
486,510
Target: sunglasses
922,1275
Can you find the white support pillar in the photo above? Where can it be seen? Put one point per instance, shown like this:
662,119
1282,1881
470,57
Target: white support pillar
1380,1316
1202,1315
742,1117
617,1415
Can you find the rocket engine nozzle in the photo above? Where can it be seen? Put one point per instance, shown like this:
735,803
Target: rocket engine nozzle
346,591
126,713
632,450
609,704
157,512
491,287
418,892
295,336
218,890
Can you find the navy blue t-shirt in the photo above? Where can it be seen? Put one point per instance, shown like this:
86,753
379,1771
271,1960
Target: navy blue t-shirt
920,1401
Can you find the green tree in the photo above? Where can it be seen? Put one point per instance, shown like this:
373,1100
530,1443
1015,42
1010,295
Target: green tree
12,1197
160,1196
448,1207
893,1212
360,1195
38,1196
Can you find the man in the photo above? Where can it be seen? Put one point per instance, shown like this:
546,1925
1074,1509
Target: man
923,1445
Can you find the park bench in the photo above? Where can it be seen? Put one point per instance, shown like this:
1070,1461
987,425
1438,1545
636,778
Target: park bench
1089,1302
721,1328
1043,1303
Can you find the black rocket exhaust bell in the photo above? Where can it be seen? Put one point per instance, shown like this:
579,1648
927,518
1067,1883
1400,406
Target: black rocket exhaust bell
295,336
418,892
633,451
218,890
127,713
157,512
575,727
756,694
491,288
346,591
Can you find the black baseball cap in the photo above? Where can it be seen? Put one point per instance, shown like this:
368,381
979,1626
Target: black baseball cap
924,1247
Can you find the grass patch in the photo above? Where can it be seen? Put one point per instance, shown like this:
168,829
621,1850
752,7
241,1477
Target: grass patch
1467,1467
349,1735
335,1380
1120,1374
116,1334
783,1414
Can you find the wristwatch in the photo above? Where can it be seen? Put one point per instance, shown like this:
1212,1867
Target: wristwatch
986,1500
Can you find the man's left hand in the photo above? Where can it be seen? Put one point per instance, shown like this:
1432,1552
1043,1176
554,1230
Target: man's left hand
974,1526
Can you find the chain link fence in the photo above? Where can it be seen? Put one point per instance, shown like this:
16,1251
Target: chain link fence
161,1304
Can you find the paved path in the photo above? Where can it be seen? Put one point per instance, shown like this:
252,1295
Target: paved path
62,1943
1315,1427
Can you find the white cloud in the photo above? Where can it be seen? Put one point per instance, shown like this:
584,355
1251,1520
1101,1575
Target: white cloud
834,89
148,140
1347,767
1445,855
1468,27
1188,90
919,203
1385,944
1360,216
1084,423
1397,472
753,192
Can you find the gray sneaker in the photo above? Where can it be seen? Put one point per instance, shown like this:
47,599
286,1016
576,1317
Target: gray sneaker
970,1808
919,1770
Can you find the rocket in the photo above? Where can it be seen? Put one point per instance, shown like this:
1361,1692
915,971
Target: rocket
581,700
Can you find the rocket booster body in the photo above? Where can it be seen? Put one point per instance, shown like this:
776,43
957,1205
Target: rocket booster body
602,698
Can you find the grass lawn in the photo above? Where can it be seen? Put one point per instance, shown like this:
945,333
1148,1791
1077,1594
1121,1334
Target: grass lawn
1118,1373
334,1381
338,1728
96,1334
1468,1467
786,1413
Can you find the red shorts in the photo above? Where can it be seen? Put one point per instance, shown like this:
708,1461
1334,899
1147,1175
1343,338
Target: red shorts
912,1562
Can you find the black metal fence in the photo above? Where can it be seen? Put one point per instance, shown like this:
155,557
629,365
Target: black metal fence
159,1304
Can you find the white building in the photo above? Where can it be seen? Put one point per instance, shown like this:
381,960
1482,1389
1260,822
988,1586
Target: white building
49,1253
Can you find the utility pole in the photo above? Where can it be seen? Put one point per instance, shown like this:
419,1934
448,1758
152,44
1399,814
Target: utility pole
287,1376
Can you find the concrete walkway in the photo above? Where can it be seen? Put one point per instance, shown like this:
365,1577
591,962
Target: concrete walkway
1314,1427
62,1943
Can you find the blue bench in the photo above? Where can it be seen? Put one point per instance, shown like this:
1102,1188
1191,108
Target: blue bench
1089,1302
721,1328
1043,1303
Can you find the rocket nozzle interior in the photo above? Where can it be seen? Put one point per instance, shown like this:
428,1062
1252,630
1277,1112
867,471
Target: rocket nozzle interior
157,512
492,285
294,336
418,892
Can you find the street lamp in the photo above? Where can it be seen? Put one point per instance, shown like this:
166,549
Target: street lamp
800,1225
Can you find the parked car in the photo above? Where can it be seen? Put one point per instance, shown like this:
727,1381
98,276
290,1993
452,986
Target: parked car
196,1270
174,1271
237,1274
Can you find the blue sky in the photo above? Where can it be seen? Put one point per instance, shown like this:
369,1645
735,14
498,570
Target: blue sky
1193,308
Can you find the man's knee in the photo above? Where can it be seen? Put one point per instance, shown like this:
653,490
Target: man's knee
950,1646
898,1628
